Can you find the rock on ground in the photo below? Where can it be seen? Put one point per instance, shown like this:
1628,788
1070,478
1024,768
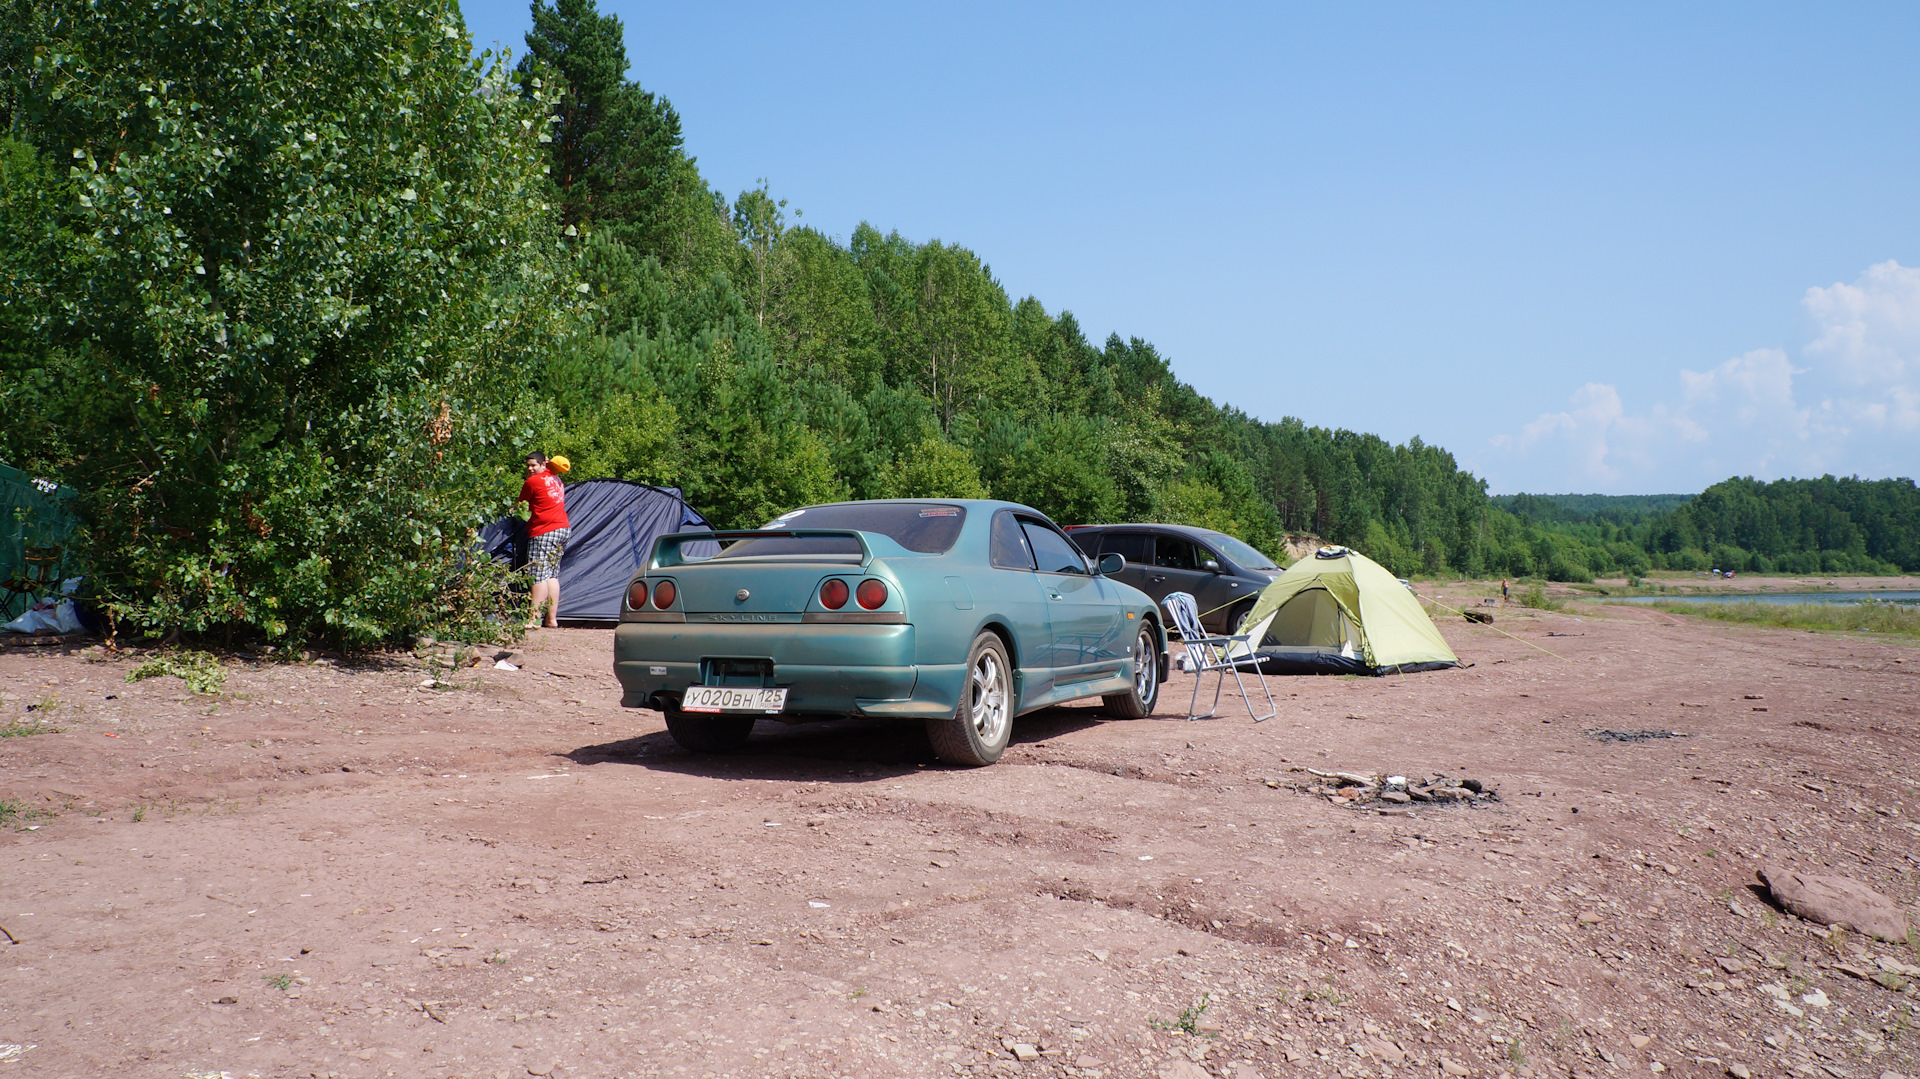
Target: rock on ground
1832,900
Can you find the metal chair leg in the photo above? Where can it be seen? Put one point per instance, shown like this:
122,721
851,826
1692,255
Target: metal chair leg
1272,708
1195,702
1218,662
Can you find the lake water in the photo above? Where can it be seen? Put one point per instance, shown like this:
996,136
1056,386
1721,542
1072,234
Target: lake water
1775,597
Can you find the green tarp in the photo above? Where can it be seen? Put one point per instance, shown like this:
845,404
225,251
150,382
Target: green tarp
33,514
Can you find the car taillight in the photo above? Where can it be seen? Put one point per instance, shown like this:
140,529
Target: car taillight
833,594
663,594
637,595
871,593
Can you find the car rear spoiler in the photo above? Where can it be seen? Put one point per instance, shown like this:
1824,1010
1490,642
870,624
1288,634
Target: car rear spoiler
667,549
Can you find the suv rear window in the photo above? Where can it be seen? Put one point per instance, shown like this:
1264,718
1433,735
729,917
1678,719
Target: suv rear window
920,527
1135,547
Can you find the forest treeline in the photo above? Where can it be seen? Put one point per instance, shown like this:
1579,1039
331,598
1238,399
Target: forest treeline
1825,525
292,285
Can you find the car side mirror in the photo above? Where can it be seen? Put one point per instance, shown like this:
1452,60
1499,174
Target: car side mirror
1212,565
1111,563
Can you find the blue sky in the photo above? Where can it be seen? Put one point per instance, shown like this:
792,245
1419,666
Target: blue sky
1630,249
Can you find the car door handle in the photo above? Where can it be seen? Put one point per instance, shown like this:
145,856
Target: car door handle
1158,577
1055,595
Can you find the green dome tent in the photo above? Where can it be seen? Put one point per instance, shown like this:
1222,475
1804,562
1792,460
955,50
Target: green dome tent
1340,612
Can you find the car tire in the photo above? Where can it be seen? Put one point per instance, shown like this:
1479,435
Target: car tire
1138,699
982,723
1237,618
708,733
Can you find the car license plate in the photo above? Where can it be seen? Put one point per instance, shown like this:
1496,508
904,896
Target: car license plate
732,699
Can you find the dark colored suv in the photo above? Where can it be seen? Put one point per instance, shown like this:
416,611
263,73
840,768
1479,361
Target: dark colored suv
1224,574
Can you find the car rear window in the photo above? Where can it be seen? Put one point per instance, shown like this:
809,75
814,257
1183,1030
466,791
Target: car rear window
1052,551
920,527
1007,546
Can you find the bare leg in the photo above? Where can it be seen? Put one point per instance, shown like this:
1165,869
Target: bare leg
552,615
539,596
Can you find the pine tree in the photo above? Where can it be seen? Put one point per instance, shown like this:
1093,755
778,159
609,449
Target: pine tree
616,150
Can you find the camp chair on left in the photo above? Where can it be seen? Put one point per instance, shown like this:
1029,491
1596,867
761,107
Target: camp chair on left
1208,652
37,575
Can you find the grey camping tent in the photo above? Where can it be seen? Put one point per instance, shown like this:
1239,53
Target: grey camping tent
614,524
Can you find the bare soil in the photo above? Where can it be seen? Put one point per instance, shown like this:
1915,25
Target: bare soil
328,869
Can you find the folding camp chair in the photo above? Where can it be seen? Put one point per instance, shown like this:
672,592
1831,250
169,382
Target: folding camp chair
37,575
1206,652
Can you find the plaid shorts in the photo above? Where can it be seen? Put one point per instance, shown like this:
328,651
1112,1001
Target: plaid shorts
543,553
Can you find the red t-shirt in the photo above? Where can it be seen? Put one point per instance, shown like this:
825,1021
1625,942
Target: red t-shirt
548,499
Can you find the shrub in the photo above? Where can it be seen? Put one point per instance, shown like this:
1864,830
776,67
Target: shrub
310,257
1535,596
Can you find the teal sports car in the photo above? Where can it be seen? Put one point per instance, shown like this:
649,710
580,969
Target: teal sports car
962,614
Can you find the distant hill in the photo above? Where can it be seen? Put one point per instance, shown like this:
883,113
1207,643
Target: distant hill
1587,509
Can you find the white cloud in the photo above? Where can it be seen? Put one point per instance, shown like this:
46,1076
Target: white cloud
1604,442
1871,328
1854,407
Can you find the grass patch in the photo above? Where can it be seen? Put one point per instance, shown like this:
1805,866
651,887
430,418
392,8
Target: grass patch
1535,596
1896,619
15,813
1189,1021
35,724
202,673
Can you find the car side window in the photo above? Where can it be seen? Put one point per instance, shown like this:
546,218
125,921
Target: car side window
1173,553
1088,542
1135,547
1055,553
1007,545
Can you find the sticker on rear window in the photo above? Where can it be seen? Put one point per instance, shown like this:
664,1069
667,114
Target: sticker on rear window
786,517
940,511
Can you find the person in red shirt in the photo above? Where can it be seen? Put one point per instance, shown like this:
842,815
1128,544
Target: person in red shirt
547,532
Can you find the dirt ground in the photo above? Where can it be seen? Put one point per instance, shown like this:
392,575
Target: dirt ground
329,869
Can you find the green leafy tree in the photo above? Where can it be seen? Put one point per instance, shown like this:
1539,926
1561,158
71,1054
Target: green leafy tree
626,435
760,220
1057,468
823,322
1196,502
31,250
944,324
932,468
316,253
